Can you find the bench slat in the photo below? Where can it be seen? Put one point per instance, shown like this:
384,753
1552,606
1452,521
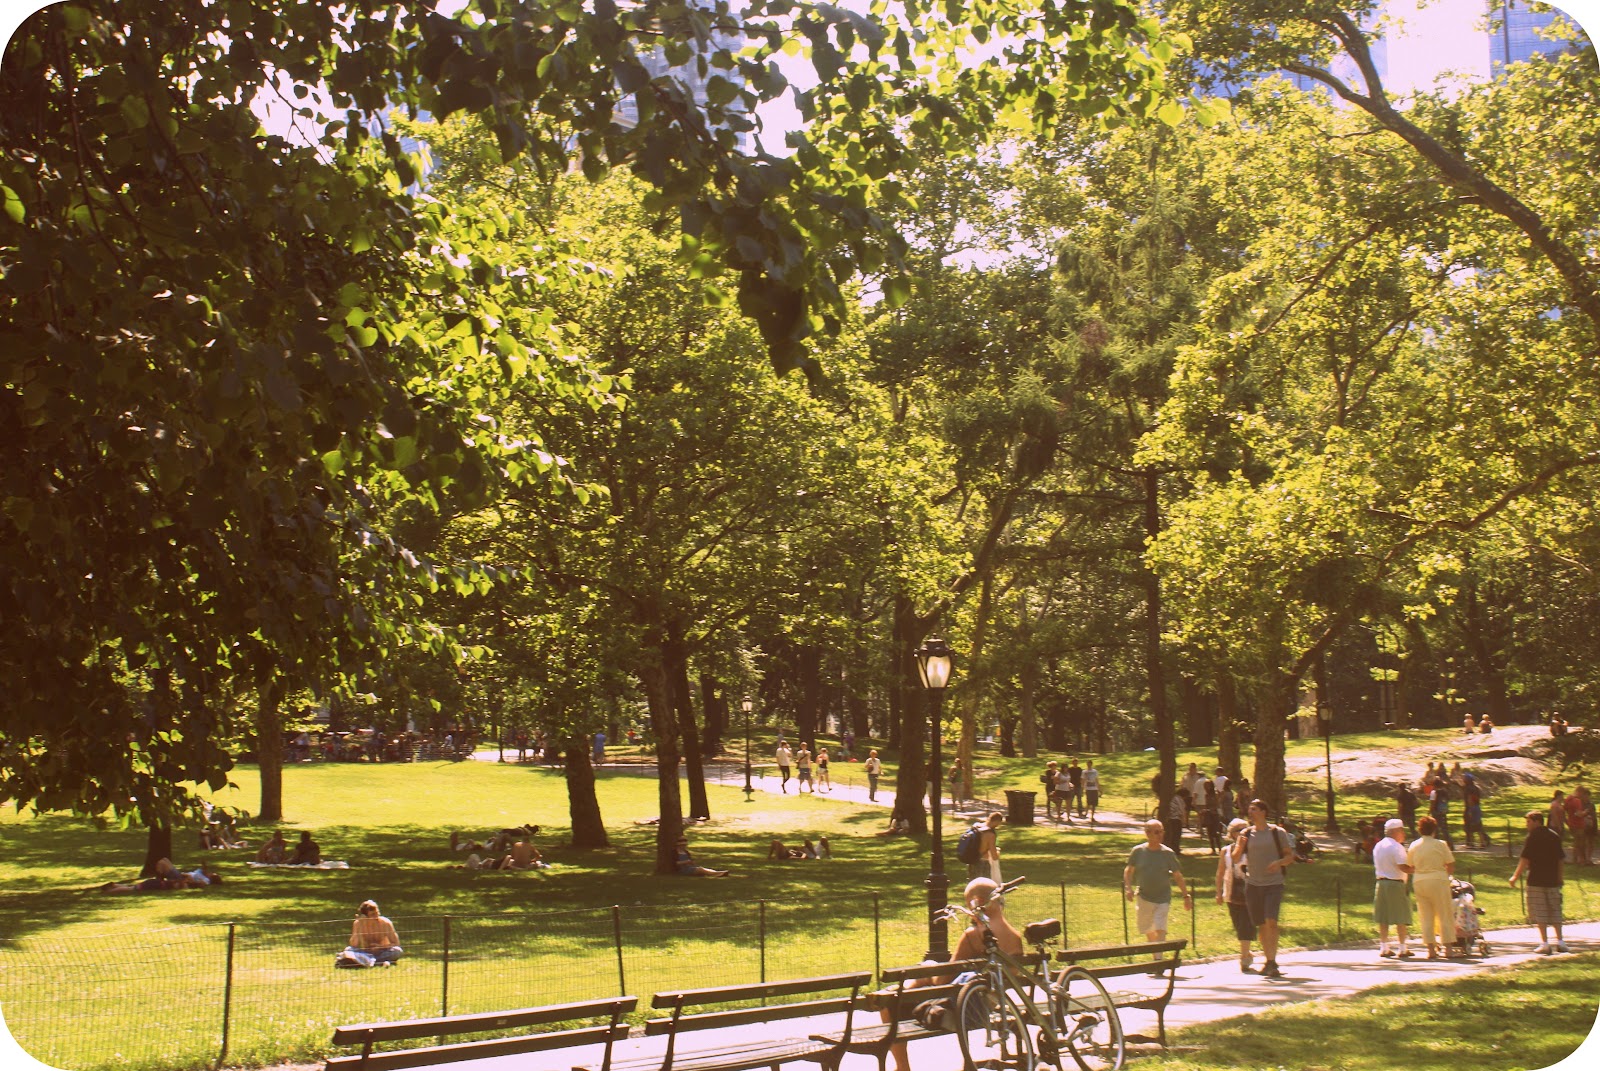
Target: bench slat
1074,955
759,991
896,975
406,1029
479,1050
1121,970
746,1016
725,1058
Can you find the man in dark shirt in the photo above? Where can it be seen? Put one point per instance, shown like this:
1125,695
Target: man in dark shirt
1544,860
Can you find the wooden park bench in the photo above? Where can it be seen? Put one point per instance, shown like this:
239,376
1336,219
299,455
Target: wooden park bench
1166,962
611,1009
720,1011
897,1003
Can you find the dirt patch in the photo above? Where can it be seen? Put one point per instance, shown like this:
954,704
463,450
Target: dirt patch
1513,755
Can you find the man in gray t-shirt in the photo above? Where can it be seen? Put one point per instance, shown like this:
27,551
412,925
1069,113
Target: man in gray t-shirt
1268,851
1155,866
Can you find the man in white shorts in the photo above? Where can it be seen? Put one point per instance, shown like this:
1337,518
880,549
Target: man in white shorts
1152,868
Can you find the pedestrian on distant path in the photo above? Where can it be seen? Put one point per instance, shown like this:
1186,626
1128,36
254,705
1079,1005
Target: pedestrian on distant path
1439,809
1432,864
1406,802
874,768
1545,862
823,780
1583,832
1091,789
1048,780
600,749
802,763
1268,852
1156,868
1472,812
1061,792
785,760
1177,818
1230,890
1391,905
1224,798
1075,773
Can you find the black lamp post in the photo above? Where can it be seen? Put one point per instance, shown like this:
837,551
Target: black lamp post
1325,719
933,664
749,790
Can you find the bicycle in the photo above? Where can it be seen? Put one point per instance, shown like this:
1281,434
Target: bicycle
995,1010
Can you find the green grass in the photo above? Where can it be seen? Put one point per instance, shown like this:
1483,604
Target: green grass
96,981
1529,1016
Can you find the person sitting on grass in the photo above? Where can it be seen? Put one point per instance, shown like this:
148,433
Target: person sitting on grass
898,827
307,852
522,856
373,940
165,879
688,868
275,850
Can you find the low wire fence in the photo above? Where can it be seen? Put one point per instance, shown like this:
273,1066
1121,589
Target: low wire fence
259,993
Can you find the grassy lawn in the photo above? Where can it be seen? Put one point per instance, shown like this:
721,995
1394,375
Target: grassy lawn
90,980
1530,1016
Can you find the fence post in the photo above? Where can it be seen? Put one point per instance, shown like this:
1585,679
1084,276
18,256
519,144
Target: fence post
763,939
1123,897
1338,906
1065,942
877,944
444,976
1194,929
227,997
616,937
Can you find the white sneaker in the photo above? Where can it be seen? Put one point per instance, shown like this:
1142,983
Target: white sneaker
1542,950
1561,946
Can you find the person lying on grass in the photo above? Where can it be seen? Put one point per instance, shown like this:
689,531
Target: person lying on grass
166,878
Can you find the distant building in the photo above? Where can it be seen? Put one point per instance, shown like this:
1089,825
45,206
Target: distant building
1516,36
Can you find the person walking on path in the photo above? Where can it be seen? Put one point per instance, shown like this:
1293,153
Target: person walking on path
823,780
1557,820
1432,863
1583,833
1230,890
1156,867
1048,780
785,759
874,768
1091,789
1224,798
1544,861
1472,812
802,766
1391,905
1075,774
1268,852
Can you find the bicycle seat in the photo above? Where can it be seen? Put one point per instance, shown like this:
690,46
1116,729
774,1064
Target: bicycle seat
1037,933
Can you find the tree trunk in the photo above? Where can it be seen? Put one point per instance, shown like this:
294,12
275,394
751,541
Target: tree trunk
658,697
808,665
269,749
911,778
157,846
588,830
714,706
1478,627
1228,723
1278,703
1155,676
1199,712
683,701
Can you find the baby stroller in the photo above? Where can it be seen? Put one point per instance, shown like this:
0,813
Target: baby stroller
1468,932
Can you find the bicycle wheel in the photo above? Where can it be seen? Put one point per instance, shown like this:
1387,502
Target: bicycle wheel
1090,1025
991,1031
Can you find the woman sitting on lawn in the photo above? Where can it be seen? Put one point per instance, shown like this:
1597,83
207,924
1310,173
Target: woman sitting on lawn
307,852
275,850
373,939
166,878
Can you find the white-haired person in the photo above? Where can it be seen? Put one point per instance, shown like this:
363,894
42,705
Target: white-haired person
1391,904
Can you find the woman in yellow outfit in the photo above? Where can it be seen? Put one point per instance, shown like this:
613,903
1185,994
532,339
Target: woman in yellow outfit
1432,863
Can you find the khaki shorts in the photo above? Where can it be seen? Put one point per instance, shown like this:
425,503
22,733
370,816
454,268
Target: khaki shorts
1153,916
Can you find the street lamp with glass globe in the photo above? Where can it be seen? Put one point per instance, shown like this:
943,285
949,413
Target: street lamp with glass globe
749,790
933,665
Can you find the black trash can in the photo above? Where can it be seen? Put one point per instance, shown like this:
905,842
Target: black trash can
1019,807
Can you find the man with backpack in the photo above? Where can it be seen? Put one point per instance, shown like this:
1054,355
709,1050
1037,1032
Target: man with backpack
979,848
1268,853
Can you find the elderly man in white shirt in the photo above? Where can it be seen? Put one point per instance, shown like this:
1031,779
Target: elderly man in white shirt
1391,906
